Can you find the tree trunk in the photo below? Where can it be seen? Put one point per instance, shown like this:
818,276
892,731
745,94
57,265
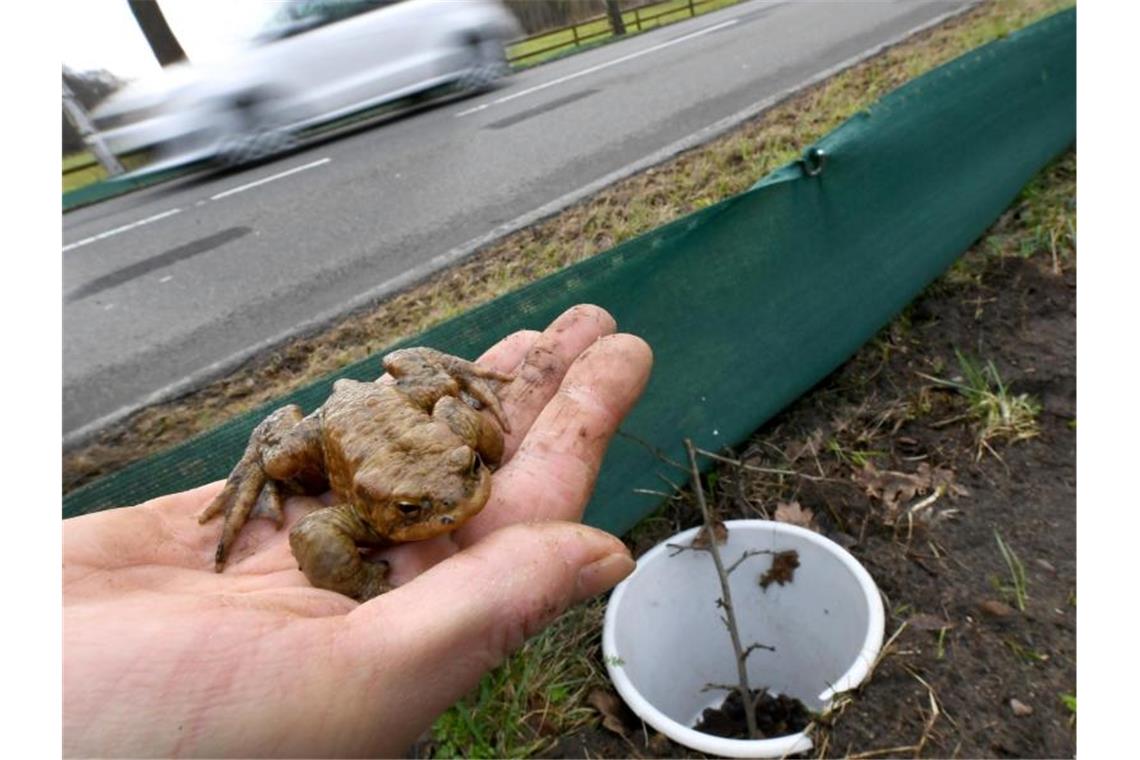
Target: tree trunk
157,32
616,22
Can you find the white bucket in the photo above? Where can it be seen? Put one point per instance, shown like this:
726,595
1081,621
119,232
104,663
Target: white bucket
664,641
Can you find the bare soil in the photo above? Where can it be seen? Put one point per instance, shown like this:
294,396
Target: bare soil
965,672
776,715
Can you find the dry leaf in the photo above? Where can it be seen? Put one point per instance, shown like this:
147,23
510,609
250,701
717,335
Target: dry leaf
609,705
895,489
719,530
792,513
940,477
783,569
994,608
809,446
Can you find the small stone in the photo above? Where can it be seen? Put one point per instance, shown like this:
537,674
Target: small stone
925,622
1046,566
1020,709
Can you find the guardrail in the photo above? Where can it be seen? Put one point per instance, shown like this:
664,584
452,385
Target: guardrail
638,18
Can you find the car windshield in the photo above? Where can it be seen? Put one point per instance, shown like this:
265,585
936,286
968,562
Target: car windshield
297,16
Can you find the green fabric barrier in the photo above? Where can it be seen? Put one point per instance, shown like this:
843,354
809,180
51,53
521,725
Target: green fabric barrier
115,186
750,302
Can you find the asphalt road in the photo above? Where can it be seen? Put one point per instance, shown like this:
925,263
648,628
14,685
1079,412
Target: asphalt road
168,287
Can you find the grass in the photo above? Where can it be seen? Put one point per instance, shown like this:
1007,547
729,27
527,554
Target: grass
998,413
540,693
1070,702
75,160
1018,589
78,171
1042,220
559,43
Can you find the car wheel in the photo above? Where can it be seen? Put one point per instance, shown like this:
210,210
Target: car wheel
253,135
488,65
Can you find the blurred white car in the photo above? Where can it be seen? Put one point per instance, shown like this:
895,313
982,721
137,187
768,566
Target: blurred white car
314,61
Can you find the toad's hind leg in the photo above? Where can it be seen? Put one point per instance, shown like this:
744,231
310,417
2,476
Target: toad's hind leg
473,428
427,375
284,447
325,544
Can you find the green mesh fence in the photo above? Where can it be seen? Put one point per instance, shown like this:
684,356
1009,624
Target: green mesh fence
750,302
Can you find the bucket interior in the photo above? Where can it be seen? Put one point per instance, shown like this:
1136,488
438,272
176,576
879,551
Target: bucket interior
670,641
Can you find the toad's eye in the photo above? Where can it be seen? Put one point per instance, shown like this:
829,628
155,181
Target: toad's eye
476,463
408,508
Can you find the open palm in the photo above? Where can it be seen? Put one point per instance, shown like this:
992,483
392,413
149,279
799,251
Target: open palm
163,656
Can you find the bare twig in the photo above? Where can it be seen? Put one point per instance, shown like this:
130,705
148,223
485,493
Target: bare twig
749,553
726,599
651,492
754,468
752,647
656,452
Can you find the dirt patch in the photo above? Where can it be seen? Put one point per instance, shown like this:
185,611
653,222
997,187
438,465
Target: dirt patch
966,521
776,715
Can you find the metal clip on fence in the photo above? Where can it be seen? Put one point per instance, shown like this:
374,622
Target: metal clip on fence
813,161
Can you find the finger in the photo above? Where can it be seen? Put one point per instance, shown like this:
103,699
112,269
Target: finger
163,531
506,355
166,531
414,651
186,502
545,364
553,472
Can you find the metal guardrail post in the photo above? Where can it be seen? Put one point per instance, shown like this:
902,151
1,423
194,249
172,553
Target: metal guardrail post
78,117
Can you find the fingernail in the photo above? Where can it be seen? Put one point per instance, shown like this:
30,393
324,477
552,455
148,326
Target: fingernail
603,574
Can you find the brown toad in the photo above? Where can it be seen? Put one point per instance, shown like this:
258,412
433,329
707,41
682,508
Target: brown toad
406,460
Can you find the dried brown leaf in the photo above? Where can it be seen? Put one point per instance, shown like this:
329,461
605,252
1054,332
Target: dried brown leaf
799,449
895,488
610,706
719,531
783,569
792,513
994,608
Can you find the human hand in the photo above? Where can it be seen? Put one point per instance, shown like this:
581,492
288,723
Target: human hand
163,656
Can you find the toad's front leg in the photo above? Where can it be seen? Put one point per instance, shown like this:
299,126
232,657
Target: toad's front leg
285,449
325,544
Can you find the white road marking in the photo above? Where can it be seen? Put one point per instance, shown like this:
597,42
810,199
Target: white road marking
599,67
243,188
171,212
124,228
167,278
